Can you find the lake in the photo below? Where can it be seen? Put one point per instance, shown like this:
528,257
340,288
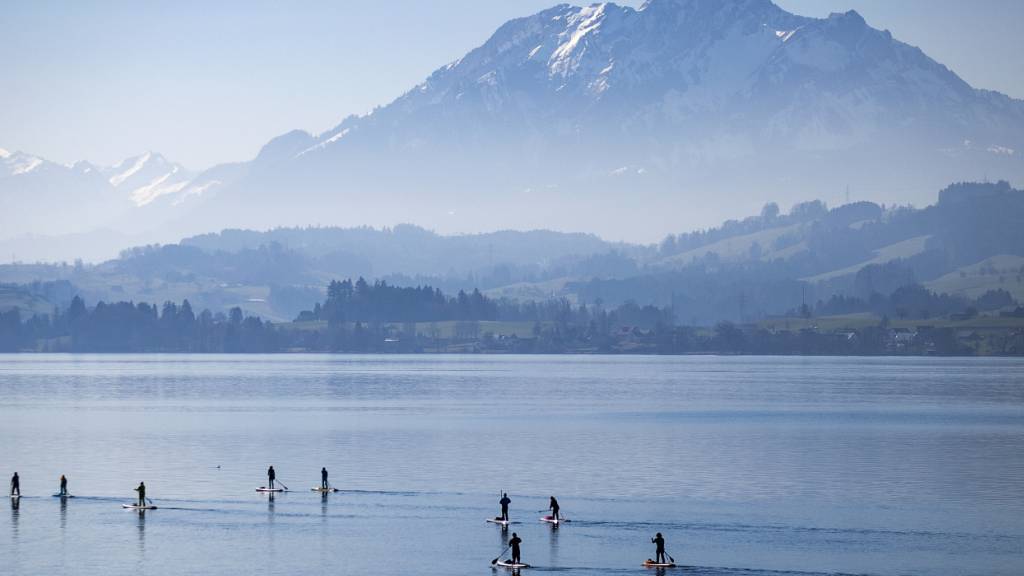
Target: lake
747,465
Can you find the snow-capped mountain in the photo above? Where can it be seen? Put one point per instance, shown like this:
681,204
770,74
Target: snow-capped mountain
53,198
621,121
147,177
630,123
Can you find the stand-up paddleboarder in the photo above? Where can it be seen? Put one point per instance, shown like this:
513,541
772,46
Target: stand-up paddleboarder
504,506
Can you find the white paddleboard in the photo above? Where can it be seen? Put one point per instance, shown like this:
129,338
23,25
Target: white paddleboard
322,489
553,520
263,489
137,507
499,521
509,564
652,564
15,496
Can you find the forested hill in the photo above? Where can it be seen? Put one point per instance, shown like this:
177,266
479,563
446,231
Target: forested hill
969,242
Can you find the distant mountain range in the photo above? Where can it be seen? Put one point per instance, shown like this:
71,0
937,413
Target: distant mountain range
43,197
629,123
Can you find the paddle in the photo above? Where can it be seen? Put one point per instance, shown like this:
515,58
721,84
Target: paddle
670,558
282,485
495,561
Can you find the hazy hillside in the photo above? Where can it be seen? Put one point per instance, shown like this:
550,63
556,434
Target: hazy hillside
279,272
969,242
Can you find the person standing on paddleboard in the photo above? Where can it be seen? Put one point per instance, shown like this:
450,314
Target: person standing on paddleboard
504,506
659,544
514,543
323,478
270,477
142,494
15,485
63,485
554,509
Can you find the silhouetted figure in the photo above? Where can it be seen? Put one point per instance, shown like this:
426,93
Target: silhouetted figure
554,509
15,485
142,494
271,475
63,485
659,544
514,543
323,478
504,506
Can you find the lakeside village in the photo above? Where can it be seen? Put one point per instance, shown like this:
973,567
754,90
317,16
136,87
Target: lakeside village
359,317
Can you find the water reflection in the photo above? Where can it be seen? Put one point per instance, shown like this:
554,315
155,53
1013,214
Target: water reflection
63,514
553,549
503,537
142,531
15,503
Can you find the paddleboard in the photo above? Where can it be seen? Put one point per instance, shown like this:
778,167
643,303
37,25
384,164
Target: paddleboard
15,496
63,496
509,564
553,520
498,520
137,507
652,564
263,489
322,489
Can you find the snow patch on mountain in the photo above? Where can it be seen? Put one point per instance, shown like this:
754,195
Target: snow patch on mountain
326,142
29,164
195,190
137,164
566,57
158,187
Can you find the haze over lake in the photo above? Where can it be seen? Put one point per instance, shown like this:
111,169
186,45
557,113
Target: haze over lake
747,465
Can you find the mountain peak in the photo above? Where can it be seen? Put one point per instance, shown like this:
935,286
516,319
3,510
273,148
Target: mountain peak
577,108
850,18
702,4
286,146
703,8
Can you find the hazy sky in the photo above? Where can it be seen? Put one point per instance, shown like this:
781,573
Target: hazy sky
209,82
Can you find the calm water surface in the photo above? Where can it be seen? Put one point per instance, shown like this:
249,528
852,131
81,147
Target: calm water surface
747,465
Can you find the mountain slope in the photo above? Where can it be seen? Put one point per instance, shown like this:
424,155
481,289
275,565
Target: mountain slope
625,122
620,121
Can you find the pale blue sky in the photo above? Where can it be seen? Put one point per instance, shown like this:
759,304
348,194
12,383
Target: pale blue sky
211,82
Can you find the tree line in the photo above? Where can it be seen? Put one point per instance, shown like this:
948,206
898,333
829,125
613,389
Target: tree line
142,327
358,316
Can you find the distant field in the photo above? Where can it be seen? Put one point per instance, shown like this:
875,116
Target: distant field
28,304
447,329
902,249
738,247
1003,271
532,290
858,321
